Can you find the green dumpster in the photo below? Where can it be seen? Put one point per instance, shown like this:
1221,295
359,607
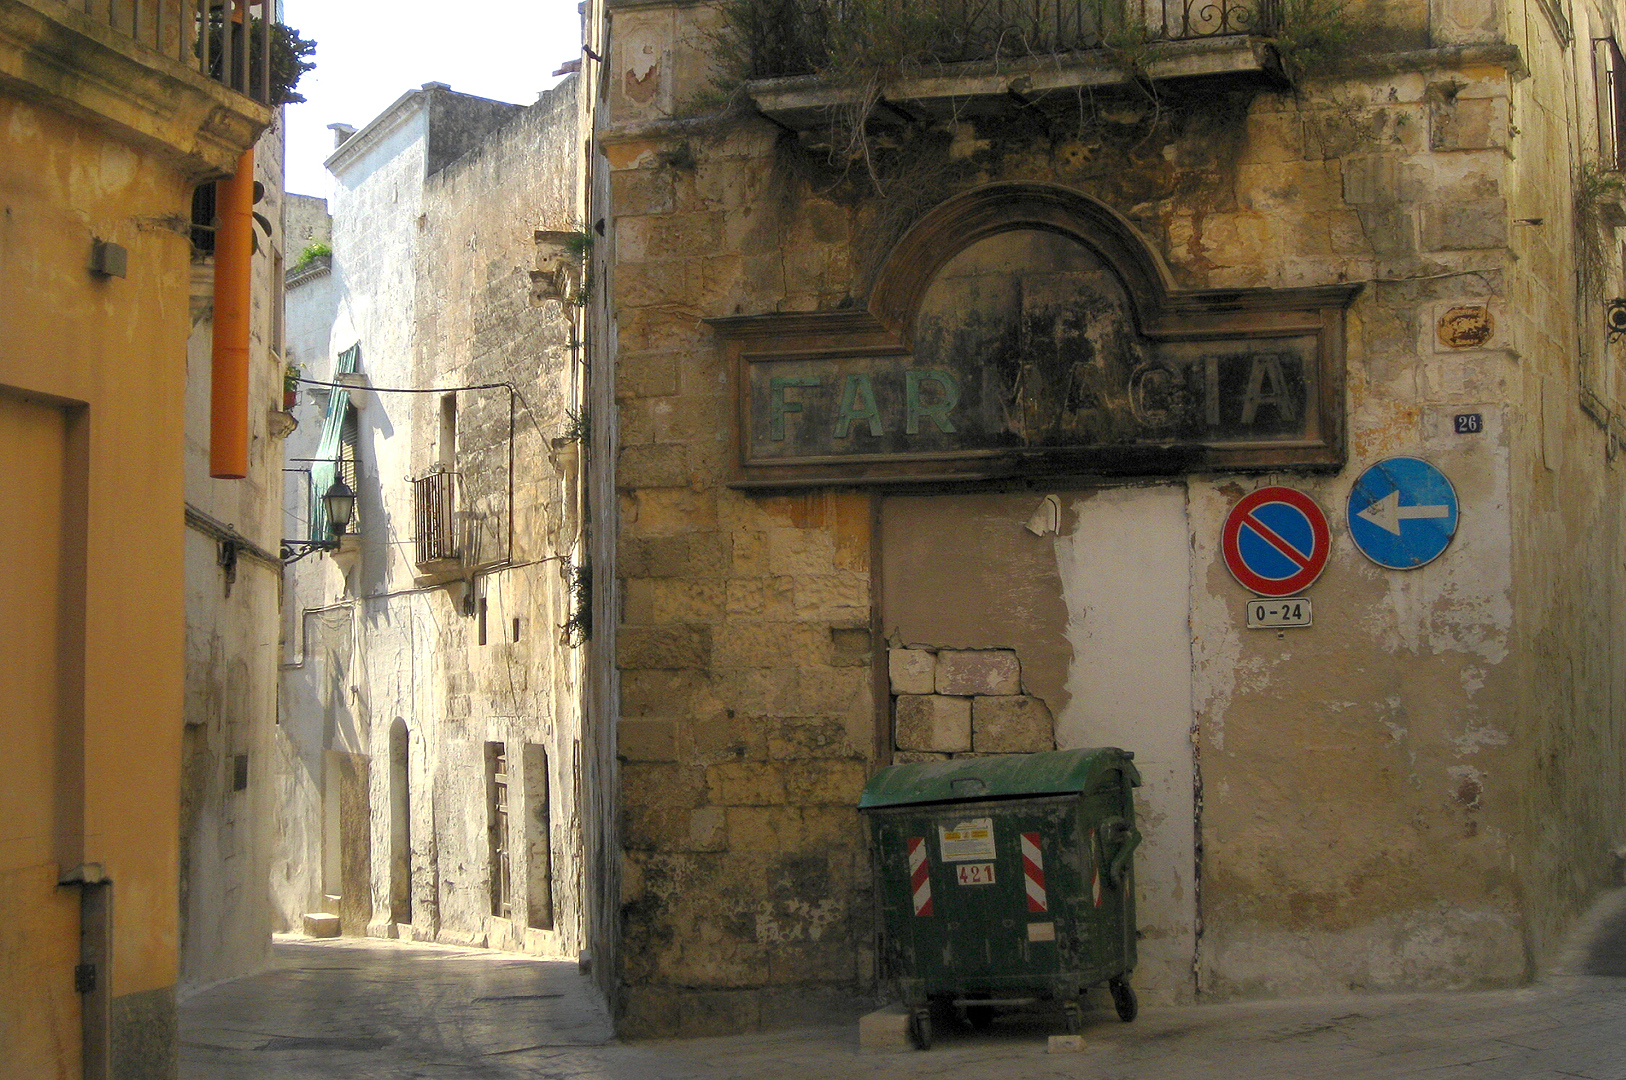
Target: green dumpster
1006,882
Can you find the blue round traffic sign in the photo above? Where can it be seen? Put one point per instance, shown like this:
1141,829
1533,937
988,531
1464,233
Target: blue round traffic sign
1402,513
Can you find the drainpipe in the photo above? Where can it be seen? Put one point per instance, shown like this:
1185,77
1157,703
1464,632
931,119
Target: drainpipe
234,247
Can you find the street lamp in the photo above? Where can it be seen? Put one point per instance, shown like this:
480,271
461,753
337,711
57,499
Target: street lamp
340,503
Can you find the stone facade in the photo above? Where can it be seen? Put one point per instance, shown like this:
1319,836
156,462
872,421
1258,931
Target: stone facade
102,139
430,751
233,622
1371,802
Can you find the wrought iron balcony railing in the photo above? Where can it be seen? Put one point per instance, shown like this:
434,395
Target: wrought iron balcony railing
434,501
800,37
194,32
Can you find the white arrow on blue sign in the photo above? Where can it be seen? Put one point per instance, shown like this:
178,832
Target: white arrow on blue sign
1402,513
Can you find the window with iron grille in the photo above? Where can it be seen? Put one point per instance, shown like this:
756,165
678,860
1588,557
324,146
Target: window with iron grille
434,501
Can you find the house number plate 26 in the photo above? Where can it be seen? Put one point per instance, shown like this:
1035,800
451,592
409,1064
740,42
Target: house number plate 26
1268,614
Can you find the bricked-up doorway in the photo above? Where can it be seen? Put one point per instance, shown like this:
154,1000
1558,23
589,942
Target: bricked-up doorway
1057,619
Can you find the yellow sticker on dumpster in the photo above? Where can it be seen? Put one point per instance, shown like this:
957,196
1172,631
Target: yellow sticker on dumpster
967,840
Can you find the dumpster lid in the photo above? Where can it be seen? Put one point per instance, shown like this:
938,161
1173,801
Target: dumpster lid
1058,772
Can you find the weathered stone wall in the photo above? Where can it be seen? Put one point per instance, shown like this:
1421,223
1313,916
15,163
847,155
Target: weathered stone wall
477,325
232,627
439,663
1395,797
1564,416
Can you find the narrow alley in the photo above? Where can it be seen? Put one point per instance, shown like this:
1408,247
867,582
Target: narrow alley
365,1009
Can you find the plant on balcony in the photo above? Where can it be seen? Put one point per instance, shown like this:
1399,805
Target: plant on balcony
1595,189
1309,34
290,384
316,249
289,52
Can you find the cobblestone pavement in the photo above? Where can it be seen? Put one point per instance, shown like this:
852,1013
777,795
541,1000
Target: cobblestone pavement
361,1009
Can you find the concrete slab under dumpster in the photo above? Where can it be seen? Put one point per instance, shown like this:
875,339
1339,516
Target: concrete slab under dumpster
1006,881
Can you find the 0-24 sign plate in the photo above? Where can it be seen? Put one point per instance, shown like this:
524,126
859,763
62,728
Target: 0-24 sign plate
1268,614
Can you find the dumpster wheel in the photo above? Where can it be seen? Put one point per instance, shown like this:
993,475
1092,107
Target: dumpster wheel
920,1029
1073,1015
1123,999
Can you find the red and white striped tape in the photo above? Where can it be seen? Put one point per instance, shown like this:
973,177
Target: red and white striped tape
1095,869
1033,872
920,878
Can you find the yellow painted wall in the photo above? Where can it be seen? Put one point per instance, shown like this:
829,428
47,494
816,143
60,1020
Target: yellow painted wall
115,348
39,924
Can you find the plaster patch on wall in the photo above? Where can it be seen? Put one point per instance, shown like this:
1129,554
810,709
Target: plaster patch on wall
1216,643
1442,947
1126,580
1466,784
1473,738
795,920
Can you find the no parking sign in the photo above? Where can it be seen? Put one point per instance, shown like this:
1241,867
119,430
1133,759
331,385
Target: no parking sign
1275,541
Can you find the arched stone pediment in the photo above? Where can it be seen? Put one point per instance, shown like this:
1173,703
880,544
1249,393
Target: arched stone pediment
1024,329
995,209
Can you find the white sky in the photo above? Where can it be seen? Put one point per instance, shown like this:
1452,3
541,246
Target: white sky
367,55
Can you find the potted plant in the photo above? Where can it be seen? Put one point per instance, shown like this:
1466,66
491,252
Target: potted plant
290,385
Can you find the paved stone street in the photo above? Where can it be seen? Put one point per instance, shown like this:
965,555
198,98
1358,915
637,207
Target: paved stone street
362,1009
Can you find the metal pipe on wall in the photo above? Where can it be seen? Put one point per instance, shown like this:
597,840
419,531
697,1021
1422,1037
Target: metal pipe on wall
234,248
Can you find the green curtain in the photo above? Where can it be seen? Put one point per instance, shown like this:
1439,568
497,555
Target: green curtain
326,468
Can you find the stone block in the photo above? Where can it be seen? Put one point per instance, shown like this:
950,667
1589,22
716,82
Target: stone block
745,596
913,671
708,828
661,784
850,645
1065,1044
640,375
683,235
1468,225
801,552
703,1014
1011,725
678,601
933,722
659,465
644,284
1369,178
802,738
659,693
641,191
822,594
320,924
771,644
1388,229
764,828
667,648
646,740
825,783
745,783
668,511
1468,124
884,1031
911,757
978,671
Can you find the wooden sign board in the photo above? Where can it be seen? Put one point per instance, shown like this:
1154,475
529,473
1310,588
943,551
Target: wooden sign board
1031,353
